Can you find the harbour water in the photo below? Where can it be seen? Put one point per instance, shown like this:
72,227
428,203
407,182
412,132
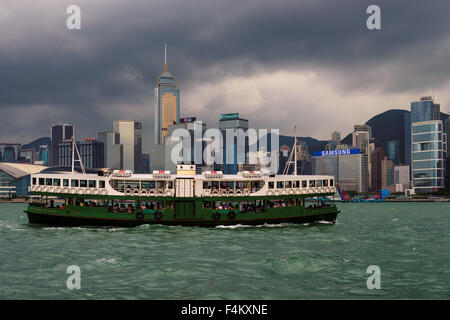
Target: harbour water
409,242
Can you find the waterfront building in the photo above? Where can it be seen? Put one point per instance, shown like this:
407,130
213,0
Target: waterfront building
15,178
350,168
425,110
167,103
402,177
361,137
44,154
59,133
130,132
188,154
9,152
407,133
429,146
157,157
393,151
387,174
446,124
27,155
231,121
112,149
91,152
375,169
336,137
146,163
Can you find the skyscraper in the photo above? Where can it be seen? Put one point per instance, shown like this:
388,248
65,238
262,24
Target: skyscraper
375,159
393,151
167,102
428,155
91,152
43,154
407,123
130,132
113,150
59,133
424,110
361,137
232,122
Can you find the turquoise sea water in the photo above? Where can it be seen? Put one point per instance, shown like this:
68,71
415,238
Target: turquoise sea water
409,242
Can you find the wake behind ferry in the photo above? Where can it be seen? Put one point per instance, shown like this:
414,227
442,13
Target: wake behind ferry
122,198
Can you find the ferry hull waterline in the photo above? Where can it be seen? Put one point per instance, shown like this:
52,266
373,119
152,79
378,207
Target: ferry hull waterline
120,198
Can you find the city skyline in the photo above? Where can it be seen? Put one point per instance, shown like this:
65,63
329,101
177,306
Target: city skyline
90,79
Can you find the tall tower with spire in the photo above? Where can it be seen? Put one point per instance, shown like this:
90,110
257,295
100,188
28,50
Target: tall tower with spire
167,102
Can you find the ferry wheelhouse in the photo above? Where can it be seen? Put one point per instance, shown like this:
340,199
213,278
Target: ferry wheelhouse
122,198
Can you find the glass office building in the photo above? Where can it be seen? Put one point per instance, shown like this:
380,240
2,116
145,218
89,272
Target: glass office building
59,133
429,148
393,151
231,122
350,169
130,132
407,123
91,152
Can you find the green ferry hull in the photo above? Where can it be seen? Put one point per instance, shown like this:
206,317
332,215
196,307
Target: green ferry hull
100,216
62,220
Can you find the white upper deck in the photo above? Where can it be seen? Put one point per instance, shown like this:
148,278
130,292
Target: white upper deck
183,184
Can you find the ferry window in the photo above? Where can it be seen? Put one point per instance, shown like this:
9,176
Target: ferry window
227,185
48,182
207,185
318,183
92,184
271,185
41,181
65,182
304,184
160,184
331,182
101,184
74,183
312,183
34,181
288,184
145,184
215,185
240,185
57,182
279,184
296,184
325,183
83,183
169,185
168,204
206,205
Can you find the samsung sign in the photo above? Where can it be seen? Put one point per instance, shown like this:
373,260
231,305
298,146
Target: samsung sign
343,152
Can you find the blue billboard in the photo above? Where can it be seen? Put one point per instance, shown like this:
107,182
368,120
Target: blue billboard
329,153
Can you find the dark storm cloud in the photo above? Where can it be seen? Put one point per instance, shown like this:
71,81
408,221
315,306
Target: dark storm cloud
95,75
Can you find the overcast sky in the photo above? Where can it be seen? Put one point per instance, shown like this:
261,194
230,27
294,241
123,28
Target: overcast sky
310,63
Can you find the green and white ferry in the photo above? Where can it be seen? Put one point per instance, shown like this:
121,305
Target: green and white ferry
123,198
